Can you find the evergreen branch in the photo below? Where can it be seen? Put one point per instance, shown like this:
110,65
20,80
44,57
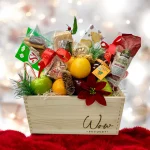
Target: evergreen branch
23,87
96,52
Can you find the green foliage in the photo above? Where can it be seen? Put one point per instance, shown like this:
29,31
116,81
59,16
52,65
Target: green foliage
96,52
23,87
75,26
69,47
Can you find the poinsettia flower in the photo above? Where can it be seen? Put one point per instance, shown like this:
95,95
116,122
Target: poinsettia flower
93,91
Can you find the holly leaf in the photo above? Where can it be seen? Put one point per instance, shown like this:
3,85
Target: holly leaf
75,26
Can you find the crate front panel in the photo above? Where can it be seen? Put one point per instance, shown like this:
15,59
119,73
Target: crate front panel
70,115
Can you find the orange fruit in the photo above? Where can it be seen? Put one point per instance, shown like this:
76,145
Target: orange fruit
58,87
70,62
80,68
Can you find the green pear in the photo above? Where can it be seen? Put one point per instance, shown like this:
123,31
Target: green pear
107,88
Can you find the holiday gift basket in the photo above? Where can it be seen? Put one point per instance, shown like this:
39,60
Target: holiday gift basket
72,87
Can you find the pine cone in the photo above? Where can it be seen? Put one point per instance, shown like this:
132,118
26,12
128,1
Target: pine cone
69,85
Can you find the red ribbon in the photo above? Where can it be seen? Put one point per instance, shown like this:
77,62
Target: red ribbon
110,49
49,54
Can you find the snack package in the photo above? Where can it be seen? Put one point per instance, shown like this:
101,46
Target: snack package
91,37
89,45
32,33
55,68
63,40
36,40
32,47
60,40
125,51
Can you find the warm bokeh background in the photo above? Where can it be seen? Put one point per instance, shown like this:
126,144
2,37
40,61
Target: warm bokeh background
110,16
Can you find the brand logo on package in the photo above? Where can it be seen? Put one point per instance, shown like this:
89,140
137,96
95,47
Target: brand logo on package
88,123
33,58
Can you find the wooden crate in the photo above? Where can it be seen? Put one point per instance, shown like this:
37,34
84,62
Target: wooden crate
70,115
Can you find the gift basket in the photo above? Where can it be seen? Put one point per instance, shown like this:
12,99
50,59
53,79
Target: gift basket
74,85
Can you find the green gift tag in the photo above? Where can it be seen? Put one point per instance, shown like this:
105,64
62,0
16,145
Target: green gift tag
24,54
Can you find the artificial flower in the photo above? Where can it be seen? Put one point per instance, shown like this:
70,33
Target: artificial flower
93,91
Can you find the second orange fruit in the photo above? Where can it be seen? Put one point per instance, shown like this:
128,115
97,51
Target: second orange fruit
58,87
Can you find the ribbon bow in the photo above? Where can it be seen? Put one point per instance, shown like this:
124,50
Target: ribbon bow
49,54
110,49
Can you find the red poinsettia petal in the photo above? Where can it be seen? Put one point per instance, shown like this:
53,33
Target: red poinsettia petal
105,93
100,99
85,86
100,86
91,80
83,94
90,100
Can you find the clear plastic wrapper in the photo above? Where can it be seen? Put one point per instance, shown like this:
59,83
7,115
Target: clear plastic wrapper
35,33
55,68
89,45
63,40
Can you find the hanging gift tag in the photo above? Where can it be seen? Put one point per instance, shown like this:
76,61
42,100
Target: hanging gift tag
25,54
101,71
103,63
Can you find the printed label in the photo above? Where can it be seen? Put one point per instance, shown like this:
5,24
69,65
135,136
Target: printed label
33,58
117,70
101,71
92,126
119,65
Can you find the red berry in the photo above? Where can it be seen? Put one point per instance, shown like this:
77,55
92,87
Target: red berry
69,28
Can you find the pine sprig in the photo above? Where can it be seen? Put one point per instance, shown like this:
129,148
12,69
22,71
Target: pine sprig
23,87
96,52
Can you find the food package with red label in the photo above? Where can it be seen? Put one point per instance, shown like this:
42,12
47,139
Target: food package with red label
125,51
